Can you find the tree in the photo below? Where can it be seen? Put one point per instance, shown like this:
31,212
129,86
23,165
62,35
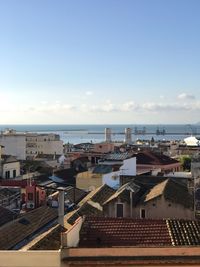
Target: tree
186,163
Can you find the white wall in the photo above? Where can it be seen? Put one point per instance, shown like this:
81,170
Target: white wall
128,168
14,145
72,236
11,167
192,141
111,179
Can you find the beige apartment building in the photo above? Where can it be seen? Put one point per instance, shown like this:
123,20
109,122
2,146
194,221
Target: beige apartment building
29,145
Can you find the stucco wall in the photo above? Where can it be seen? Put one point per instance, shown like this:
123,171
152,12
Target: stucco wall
156,209
88,180
165,168
110,209
129,167
71,237
127,256
160,208
103,147
30,259
14,145
111,179
11,167
51,147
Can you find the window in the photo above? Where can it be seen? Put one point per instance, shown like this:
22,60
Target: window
120,210
7,174
142,214
14,173
30,196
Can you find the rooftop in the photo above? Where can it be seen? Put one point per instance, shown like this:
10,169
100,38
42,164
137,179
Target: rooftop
8,159
118,156
171,190
120,232
90,204
109,232
6,215
21,229
102,169
152,158
124,192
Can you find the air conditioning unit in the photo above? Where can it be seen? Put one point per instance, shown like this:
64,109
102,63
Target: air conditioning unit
30,205
115,177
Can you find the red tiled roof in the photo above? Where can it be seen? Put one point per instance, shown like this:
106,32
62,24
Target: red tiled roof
126,232
184,232
109,232
151,158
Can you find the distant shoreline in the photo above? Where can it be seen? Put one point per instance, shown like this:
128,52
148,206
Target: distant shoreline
77,133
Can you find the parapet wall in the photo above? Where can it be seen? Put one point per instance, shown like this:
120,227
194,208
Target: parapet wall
30,259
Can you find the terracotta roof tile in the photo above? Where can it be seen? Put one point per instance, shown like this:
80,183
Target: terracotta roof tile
106,232
150,158
112,232
184,233
22,228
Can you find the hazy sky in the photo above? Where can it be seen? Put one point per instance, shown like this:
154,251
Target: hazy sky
99,61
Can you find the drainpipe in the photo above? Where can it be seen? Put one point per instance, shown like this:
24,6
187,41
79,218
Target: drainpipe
61,201
131,203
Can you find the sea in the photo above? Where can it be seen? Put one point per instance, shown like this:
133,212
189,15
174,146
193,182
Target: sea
84,133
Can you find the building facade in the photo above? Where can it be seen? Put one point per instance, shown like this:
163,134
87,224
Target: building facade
29,145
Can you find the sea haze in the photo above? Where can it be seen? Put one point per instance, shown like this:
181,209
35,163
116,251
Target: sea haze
80,133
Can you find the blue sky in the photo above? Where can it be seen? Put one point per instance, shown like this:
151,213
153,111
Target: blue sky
99,61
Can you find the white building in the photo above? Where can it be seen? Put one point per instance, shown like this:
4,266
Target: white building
128,167
29,145
108,171
47,144
14,144
192,141
9,166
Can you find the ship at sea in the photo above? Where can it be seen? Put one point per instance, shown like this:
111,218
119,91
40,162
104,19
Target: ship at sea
95,132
